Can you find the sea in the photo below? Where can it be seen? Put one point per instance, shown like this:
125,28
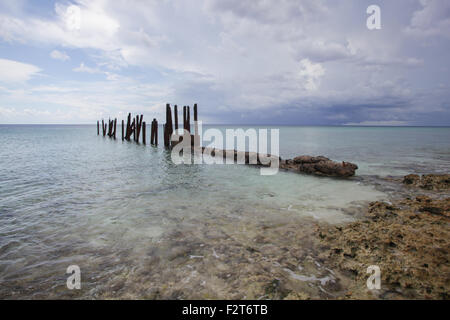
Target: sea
139,226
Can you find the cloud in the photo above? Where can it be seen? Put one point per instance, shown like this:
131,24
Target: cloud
253,60
84,68
312,72
14,71
433,19
58,55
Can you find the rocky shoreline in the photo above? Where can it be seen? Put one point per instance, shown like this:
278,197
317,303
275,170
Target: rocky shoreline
409,239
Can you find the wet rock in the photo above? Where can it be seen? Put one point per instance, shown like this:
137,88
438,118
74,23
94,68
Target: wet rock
412,254
320,166
309,159
434,210
428,181
411,179
297,296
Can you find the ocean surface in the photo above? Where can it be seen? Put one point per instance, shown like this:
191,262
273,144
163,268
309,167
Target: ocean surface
139,226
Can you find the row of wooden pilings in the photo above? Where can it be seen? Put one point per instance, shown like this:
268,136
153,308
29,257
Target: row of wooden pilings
134,127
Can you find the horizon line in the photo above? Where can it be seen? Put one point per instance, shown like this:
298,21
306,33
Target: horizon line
241,124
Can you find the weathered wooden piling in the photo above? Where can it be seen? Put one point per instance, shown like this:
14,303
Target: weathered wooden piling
139,126
136,136
135,124
156,132
103,127
112,129
123,129
175,111
152,132
184,117
115,128
196,139
188,119
195,112
128,132
195,120
143,132
168,128
170,122
165,135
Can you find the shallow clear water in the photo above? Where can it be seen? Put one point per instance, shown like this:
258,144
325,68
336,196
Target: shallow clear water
140,226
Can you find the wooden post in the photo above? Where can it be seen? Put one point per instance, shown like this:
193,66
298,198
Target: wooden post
133,129
103,127
170,124
196,136
143,132
136,136
168,129
122,129
165,135
188,119
127,137
184,117
156,132
115,127
98,128
139,127
195,112
152,132
175,111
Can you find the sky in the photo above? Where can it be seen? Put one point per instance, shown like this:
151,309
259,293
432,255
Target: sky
284,62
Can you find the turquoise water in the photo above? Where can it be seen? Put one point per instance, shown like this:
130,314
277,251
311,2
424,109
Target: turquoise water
123,212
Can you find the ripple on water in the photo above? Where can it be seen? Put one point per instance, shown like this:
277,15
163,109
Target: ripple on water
138,226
